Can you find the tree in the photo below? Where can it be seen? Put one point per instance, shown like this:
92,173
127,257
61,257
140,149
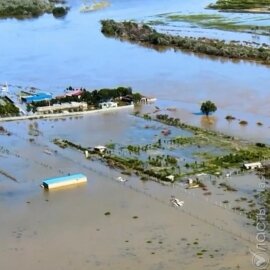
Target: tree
207,107
28,107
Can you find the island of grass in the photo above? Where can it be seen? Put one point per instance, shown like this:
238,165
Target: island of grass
216,21
94,6
30,8
145,35
253,6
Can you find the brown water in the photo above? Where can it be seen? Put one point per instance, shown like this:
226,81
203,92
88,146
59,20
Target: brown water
67,228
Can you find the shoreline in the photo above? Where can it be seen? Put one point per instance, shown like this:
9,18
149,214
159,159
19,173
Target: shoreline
60,115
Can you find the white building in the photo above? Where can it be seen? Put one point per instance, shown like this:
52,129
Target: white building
100,148
62,107
107,105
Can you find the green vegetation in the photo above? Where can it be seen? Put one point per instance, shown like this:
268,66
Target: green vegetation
7,108
139,159
145,35
217,21
227,187
263,200
265,171
243,122
230,117
27,8
59,11
208,107
242,5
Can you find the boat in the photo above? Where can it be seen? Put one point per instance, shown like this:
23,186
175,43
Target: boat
48,152
166,132
121,179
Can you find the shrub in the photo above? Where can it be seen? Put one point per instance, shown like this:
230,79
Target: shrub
243,123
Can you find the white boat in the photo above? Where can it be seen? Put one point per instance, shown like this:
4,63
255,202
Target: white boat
121,179
48,152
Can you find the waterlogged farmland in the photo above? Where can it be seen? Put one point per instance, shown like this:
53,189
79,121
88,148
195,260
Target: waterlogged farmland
170,147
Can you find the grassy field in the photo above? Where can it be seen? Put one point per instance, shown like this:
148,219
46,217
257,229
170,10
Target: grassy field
263,5
217,21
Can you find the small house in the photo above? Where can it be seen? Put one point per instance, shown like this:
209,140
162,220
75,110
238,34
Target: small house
252,166
100,148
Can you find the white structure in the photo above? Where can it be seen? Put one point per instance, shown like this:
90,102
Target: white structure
4,89
107,105
170,177
121,179
64,181
148,99
252,166
100,148
62,107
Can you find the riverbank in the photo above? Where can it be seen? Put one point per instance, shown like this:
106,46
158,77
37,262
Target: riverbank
145,35
61,115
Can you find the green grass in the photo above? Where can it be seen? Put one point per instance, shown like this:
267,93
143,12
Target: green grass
241,4
216,21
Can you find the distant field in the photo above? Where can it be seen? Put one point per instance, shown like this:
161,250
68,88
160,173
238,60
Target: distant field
217,21
259,5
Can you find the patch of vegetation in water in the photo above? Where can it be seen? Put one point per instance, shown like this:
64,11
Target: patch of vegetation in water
165,160
27,8
217,21
238,5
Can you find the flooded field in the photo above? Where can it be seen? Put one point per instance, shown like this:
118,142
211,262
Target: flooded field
142,228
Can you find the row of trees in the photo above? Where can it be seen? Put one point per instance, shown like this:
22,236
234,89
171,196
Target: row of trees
8,110
144,34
